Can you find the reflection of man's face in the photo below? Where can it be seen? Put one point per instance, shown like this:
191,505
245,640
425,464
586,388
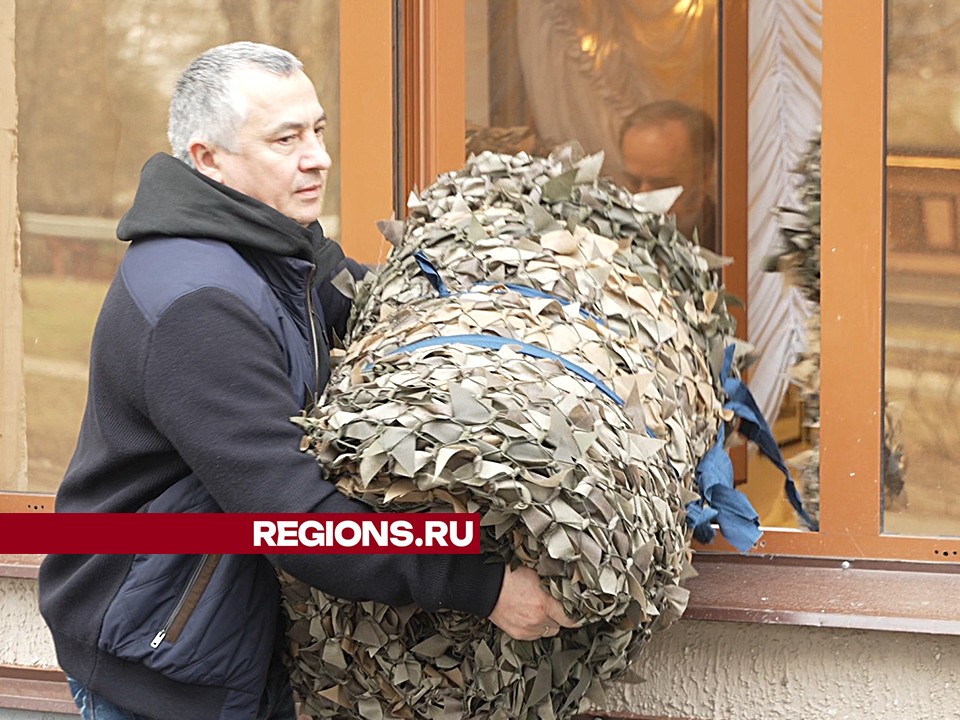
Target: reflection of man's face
661,155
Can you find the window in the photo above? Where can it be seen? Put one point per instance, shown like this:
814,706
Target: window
921,340
86,114
854,150
853,111
622,78
873,275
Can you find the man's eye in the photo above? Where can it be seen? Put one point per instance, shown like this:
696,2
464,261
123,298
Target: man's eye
286,139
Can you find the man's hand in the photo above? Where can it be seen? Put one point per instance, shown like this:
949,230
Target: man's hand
524,610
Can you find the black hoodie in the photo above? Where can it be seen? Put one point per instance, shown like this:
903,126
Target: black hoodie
203,350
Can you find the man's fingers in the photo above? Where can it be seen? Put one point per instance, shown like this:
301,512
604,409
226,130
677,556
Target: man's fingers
525,610
556,614
564,620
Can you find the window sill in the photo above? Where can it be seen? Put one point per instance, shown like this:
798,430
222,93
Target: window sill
20,566
867,595
37,689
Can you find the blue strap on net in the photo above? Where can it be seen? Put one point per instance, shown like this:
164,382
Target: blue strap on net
433,275
534,293
496,342
726,506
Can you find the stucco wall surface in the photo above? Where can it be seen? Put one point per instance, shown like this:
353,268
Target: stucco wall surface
701,670
24,639
732,671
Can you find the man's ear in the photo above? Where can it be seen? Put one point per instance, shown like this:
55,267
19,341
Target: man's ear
708,170
206,158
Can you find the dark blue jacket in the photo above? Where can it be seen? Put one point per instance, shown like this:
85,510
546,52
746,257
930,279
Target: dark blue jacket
203,351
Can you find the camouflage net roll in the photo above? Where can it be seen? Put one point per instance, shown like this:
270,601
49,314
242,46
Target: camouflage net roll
540,348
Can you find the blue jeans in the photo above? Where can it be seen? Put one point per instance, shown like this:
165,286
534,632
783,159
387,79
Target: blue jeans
276,703
95,707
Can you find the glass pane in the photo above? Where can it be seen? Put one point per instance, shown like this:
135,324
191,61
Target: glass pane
543,73
93,83
783,227
637,80
922,301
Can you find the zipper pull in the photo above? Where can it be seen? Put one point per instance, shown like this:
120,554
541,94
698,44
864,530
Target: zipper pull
158,639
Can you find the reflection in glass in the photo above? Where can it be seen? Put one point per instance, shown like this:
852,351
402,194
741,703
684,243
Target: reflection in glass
93,83
922,300
544,72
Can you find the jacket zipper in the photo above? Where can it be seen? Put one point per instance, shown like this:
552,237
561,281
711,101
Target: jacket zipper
188,600
313,331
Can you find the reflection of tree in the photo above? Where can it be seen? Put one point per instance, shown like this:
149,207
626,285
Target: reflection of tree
149,44
924,35
66,126
94,79
240,18
923,81
281,15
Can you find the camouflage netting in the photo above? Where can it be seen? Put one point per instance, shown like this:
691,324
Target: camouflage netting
797,255
560,379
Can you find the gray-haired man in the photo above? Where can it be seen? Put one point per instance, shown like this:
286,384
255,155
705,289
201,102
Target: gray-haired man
216,322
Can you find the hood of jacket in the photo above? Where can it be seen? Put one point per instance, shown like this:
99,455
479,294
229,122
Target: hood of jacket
174,200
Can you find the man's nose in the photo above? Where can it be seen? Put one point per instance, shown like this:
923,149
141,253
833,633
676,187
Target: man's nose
315,156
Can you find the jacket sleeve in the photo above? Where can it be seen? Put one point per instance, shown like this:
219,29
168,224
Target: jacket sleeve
217,388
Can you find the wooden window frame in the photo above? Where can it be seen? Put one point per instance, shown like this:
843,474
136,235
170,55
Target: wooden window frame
852,302
12,393
433,90
430,86
852,271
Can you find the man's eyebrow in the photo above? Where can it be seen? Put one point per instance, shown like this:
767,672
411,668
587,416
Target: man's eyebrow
294,125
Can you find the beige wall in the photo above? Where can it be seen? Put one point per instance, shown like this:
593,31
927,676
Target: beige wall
704,670
734,671
24,639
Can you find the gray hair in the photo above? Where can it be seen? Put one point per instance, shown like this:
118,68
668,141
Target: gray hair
205,105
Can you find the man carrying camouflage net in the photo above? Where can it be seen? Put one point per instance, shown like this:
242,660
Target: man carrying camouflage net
545,349
214,333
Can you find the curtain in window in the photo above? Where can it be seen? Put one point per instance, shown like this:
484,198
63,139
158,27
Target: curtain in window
588,63
784,116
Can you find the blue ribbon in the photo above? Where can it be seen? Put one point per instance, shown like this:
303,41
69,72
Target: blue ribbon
534,293
726,506
433,275
754,427
495,342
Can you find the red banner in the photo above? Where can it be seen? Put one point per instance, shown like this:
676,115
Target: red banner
238,533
